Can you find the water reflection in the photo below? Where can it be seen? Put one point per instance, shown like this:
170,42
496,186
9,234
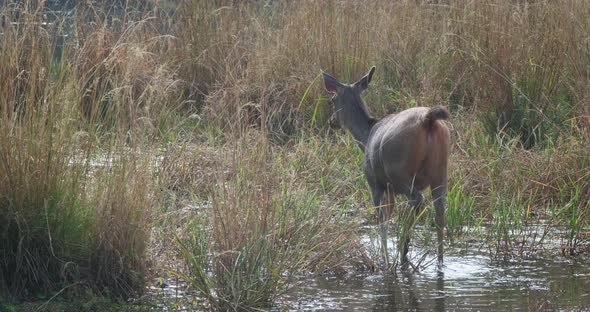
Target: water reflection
465,282
439,299
404,292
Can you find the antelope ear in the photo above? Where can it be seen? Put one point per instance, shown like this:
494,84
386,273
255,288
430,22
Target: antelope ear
331,83
363,83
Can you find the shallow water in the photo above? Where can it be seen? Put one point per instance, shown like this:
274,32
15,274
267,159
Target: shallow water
470,280
466,282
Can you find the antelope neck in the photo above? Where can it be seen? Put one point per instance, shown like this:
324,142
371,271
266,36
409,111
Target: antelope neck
360,128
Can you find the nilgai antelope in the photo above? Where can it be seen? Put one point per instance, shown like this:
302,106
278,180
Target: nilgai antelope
403,153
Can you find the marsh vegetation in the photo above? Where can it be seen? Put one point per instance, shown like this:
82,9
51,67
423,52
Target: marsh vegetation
144,144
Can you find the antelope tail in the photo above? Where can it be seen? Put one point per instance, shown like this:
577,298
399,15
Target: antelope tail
435,113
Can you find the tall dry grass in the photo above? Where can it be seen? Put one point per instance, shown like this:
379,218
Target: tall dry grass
43,213
519,64
124,81
71,218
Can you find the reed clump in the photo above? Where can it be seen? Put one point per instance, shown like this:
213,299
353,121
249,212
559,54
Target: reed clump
262,228
72,218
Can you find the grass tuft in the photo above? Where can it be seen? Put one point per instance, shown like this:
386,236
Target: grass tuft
261,230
